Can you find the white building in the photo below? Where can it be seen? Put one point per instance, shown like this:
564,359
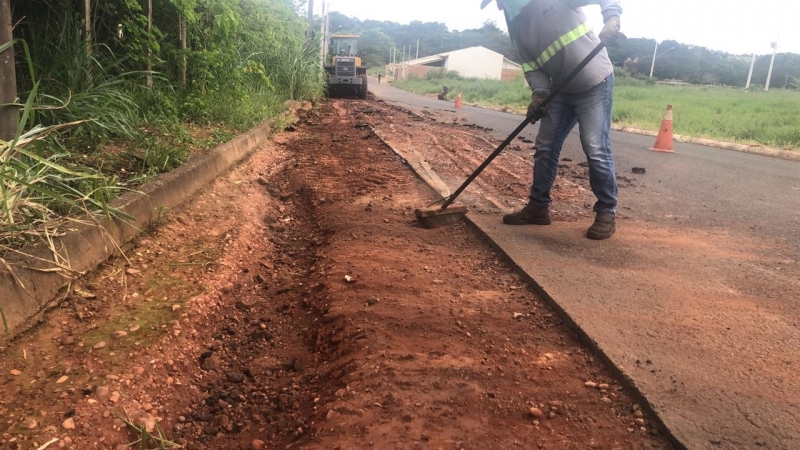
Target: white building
473,62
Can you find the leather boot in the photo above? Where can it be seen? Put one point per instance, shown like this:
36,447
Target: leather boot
529,215
603,227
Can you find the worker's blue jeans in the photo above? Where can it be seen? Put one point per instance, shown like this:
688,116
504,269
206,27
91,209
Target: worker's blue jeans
591,110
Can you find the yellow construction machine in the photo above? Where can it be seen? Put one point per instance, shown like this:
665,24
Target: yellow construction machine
346,75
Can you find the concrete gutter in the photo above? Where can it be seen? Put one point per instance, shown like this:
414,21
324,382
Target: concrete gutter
423,171
41,271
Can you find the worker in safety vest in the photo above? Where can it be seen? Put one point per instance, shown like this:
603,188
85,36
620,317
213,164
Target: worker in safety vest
553,38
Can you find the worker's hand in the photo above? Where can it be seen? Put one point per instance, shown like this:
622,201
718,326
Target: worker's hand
536,112
611,34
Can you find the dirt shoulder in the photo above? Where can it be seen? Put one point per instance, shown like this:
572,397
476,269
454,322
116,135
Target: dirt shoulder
295,304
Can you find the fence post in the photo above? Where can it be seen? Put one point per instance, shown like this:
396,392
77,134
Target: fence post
9,115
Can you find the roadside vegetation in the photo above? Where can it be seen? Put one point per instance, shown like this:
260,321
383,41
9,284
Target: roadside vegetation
755,117
111,94
113,97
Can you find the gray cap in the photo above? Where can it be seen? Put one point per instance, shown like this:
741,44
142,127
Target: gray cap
485,2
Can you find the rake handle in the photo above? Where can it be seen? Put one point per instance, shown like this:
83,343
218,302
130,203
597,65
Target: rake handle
555,91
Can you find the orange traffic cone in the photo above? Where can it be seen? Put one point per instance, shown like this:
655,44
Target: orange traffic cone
458,101
664,139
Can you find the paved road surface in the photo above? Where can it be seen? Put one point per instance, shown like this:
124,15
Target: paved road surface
696,297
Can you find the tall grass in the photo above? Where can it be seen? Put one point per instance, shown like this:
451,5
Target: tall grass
94,90
766,118
35,188
297,71
761,118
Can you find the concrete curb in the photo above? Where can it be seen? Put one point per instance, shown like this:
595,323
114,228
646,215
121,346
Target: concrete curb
86,245
742,148
435,183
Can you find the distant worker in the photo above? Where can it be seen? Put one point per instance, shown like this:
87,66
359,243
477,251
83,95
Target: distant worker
553,38
443,94
379,78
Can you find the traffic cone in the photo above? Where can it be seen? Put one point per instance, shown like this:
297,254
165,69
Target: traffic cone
664,138
458,101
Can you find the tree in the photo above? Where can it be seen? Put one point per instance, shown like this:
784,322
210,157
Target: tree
8,80
375,47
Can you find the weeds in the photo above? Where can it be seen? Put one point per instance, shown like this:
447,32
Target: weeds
148,440
36,190
99,92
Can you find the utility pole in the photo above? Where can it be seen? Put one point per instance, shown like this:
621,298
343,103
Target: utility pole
750,75
149,38
772,62
183,34
653,66
87,27
310,19
417,57
323,35
326,37
9,115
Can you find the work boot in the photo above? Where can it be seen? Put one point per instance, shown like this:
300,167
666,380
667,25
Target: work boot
603,227
529,215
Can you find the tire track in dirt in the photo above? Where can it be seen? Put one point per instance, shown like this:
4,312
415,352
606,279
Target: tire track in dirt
428,353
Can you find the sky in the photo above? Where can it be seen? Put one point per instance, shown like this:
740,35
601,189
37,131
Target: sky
732,26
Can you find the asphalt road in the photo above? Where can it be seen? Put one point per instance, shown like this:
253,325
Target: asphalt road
696,186
695,299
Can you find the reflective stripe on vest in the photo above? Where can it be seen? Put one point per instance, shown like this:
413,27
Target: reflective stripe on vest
559,44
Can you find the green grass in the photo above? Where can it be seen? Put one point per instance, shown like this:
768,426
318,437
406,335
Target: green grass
765,118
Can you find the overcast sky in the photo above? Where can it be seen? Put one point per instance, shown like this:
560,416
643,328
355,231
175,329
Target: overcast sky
716,24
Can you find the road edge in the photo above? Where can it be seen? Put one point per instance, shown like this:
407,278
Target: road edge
788,155
40,273
626,381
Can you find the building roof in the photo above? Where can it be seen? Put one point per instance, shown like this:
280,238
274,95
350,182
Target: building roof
442,56
427,60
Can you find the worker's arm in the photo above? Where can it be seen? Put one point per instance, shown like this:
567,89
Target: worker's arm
609,8
537,80
539,83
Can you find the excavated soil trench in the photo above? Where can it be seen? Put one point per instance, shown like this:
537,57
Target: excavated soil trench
295,304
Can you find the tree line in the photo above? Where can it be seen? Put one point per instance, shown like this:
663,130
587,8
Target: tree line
378,38
700,65
689,63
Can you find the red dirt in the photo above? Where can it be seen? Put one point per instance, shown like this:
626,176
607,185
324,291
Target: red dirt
313,313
